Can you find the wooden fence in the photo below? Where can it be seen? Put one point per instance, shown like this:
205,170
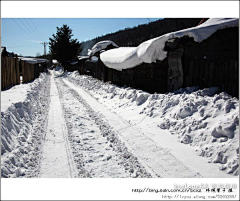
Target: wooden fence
27,71
10,74
220,73
12,68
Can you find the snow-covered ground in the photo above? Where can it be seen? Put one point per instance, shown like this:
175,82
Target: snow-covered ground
23,120
189,123
70,125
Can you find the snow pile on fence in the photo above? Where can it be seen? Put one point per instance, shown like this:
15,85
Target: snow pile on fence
20,138
152,50
204,119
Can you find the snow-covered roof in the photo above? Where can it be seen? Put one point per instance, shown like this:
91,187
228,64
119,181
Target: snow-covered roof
102,45
54,61
82,57
33,60
2,48
152,50
121,58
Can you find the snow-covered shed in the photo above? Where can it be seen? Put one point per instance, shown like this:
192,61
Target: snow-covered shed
30,67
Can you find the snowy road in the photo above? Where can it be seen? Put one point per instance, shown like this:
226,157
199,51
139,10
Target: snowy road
156,159
97,149
56,156
84,138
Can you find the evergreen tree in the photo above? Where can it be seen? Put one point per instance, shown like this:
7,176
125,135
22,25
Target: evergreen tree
62,47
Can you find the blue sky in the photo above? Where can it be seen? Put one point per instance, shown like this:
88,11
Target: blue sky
24,35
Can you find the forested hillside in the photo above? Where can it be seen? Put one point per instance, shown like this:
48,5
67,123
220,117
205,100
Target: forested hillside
131,37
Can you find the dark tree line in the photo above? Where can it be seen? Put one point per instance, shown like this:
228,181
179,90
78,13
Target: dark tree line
132,37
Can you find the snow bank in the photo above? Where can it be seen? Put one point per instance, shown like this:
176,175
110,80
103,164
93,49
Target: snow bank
58,71
8,97
153,49
101,46
204,119
20,138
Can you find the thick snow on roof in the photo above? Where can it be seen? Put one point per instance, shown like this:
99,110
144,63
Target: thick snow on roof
121,58
101,46
33,60
152,50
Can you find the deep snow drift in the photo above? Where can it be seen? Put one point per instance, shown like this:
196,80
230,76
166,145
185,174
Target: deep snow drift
129,132
153,49
203,119
22,127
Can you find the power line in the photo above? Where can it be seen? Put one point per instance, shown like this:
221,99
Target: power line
23,29
32,29
27,29
20,46
36,29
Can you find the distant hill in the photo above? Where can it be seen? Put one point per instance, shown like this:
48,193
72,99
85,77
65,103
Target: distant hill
132,37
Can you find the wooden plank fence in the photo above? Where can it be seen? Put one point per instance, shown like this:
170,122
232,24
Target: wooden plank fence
27,71
10,71
10,74
205,74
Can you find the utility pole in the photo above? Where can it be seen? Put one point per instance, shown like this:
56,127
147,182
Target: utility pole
44,45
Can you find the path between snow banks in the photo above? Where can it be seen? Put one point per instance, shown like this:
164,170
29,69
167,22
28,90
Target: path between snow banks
56,156
156,159
97,149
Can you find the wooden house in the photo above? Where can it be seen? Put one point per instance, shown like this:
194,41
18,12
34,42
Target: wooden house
213,62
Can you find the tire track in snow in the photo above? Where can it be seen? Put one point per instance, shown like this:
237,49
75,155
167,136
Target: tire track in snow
155,158
56,156
97,149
